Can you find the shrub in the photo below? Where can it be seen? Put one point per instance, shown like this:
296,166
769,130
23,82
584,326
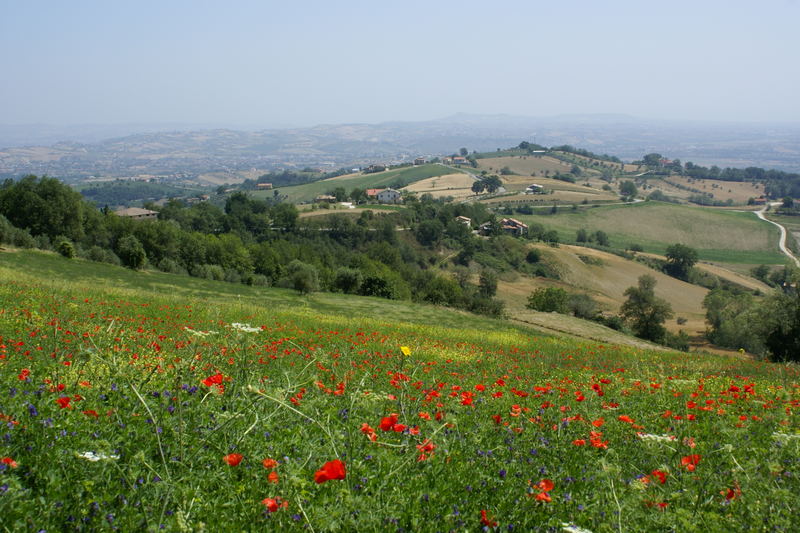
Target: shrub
65,248
548,300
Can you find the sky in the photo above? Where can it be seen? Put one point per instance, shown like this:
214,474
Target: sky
300,63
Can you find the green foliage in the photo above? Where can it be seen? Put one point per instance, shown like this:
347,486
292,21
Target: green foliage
549,300
645,312
303,277
65,248
131,252
487,283
43,206
582,306
680,260
628,188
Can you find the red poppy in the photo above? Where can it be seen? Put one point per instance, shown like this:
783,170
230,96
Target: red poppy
269,463
485,520
273,477
331,470
543,497
579,442
388,422
8,461
273,504
662,476
63,402
233,459
91,412
545,485
690,462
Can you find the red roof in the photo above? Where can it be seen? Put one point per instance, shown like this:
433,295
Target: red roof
373,192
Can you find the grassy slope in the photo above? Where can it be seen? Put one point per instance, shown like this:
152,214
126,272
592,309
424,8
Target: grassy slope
37,265
309,191
718,235
513,409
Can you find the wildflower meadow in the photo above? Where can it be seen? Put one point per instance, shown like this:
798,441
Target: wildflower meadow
132,410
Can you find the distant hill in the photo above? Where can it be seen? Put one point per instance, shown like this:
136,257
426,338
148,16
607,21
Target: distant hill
101,151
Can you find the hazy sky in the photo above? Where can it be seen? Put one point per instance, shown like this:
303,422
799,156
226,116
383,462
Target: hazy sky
264,63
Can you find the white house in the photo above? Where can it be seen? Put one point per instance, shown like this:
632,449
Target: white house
389,196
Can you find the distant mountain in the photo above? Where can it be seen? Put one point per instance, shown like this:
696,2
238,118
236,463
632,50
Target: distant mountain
116,151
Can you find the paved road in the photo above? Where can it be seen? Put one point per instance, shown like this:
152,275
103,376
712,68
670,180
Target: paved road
782,241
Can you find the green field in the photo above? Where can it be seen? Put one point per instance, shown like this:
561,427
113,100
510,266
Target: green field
145,402
404,176
718,235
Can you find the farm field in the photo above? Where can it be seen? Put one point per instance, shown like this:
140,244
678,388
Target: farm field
605,277
524,165
738,192
457,185
160,404
308,191
718,235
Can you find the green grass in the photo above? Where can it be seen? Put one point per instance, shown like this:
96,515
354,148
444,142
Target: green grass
717,235
151,403
405,176
32,264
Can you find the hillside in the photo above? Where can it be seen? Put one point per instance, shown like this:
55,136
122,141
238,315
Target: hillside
174,395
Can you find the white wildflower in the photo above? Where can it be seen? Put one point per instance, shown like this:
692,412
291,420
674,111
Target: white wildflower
655,438
198,333
94,457
572,528
785,436
247,328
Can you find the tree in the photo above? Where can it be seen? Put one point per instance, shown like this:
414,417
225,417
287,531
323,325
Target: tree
576,170
788,202
680,260
549,300
487,284
645,312
601,238
478,186
131,252
463,152
303,277
628,188
581,235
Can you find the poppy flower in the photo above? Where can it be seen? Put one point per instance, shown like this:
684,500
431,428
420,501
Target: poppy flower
486,521
662,476
273,504
545,485
8,461
233,459
689,462
388,422
273,477
331,470
269,463
63,402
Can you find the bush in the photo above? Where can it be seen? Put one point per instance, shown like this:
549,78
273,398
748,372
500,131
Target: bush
582,306
548,300
101,255
131,252
348,280
171,266
65,248
304,278
677,341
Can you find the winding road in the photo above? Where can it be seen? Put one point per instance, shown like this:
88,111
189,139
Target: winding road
782,241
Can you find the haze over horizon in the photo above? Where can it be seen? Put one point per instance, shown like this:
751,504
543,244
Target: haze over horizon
268,65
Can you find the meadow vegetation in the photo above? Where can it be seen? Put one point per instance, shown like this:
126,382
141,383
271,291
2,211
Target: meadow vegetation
131,409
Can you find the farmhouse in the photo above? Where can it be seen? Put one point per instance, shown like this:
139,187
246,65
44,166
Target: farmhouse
513,226
389,196
420,161
263,186
137,213
458,160
510,226
534,189
325,198
373,193
464,220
